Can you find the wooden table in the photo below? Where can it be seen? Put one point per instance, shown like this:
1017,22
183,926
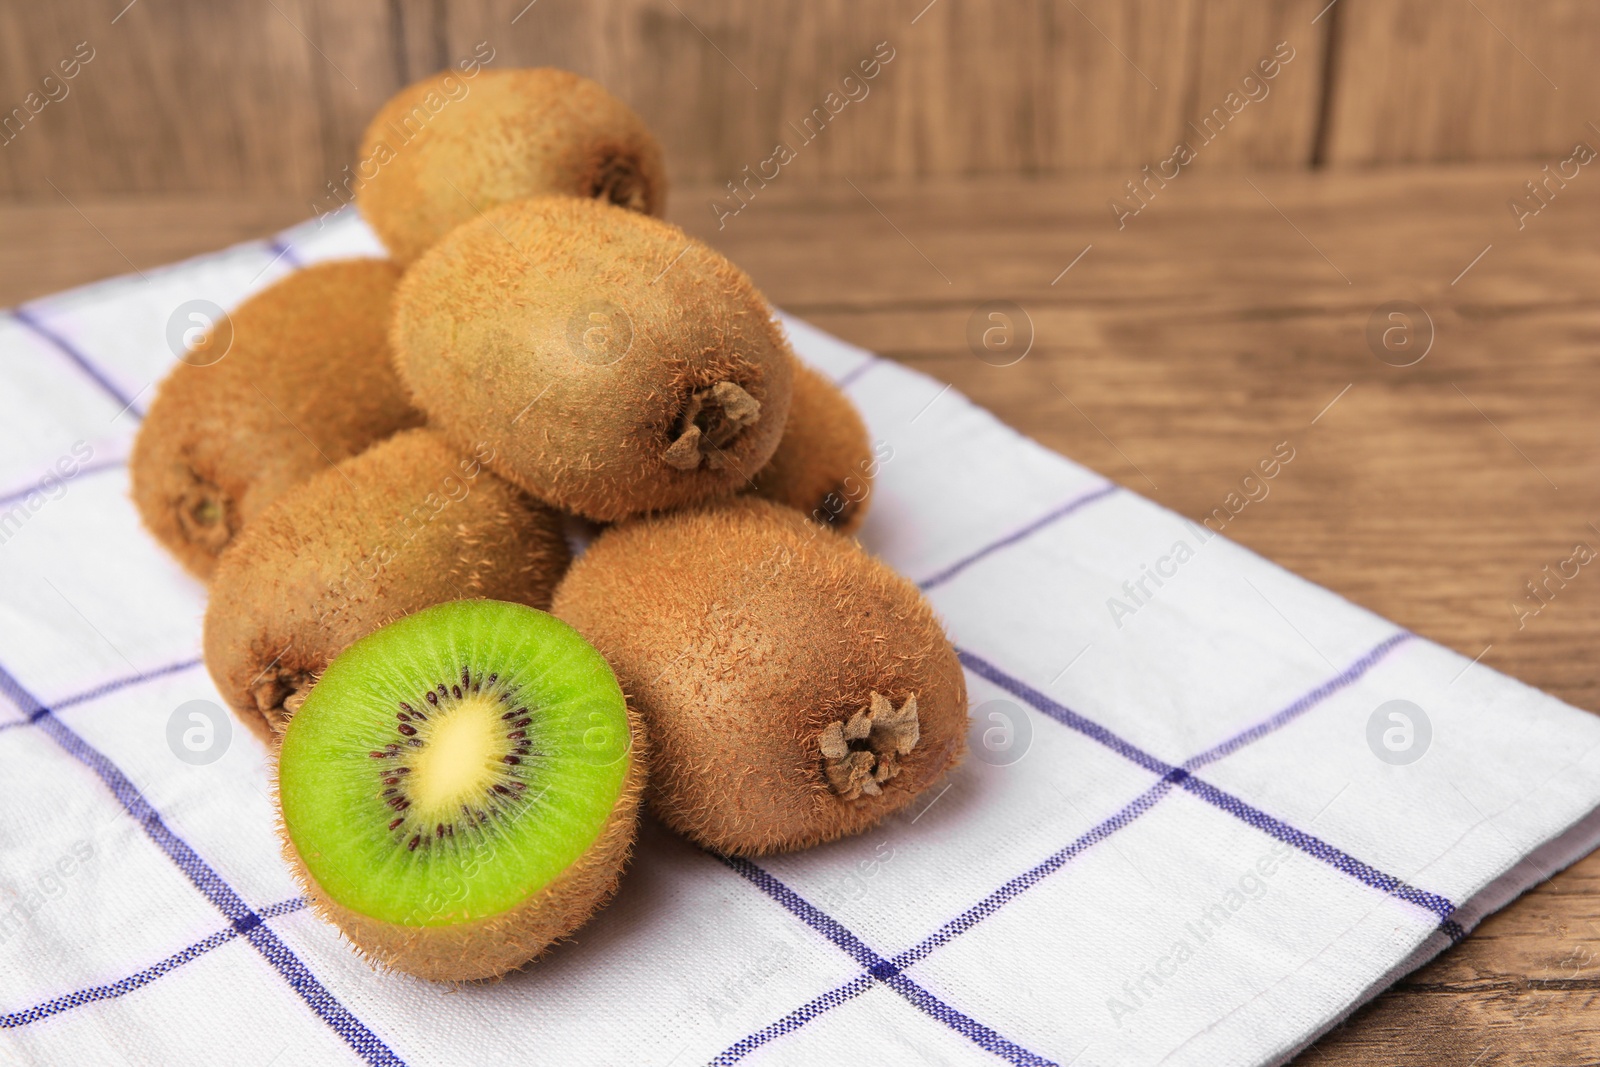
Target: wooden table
1172,353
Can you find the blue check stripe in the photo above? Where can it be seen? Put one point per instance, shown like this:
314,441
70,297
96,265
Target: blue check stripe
1028,879
281,249
1061,713
82,472
1053,516
1333,857
854,374
1170,776
878,969
1226,801
221,895
969,1028
794,1020
806,912
1283,718
278,246
99,691
123,683
78,357
143,978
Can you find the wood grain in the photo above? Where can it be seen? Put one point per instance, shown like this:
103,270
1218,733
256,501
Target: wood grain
181,96
1445,81
1230,42
51,244
187,96
1219,321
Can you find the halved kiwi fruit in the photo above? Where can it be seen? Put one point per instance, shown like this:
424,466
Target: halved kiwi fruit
407,524
794,688
304,380
460,789
824,464
450,147
616,365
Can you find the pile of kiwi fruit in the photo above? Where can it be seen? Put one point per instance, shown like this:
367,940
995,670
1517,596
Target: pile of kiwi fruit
385,483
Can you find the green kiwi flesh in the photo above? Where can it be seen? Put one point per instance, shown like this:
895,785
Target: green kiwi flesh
459,789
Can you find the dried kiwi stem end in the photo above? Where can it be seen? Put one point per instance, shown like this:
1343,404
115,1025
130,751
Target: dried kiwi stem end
278,697
862,752
711,420
618,181
202,513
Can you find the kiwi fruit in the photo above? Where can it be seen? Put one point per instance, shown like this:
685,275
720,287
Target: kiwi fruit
449,148
794,689
304,380
615,365
824,463
410,523
461,789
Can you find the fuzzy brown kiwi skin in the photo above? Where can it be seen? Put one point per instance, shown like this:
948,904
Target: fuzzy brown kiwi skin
499,136
489,332
740,631
306,381
824,464
492,947
410,523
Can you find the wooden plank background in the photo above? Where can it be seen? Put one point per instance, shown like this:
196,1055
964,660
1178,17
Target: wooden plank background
1208,328
271,97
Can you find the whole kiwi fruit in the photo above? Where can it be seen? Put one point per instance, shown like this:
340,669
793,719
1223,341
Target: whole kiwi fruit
410,523
294,380
460,789
825,463
452,146
615,365
794,689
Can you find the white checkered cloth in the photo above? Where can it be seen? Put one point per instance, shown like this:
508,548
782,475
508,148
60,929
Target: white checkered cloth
1177,842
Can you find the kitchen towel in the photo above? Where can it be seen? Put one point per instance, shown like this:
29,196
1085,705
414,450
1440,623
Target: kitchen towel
1209,809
